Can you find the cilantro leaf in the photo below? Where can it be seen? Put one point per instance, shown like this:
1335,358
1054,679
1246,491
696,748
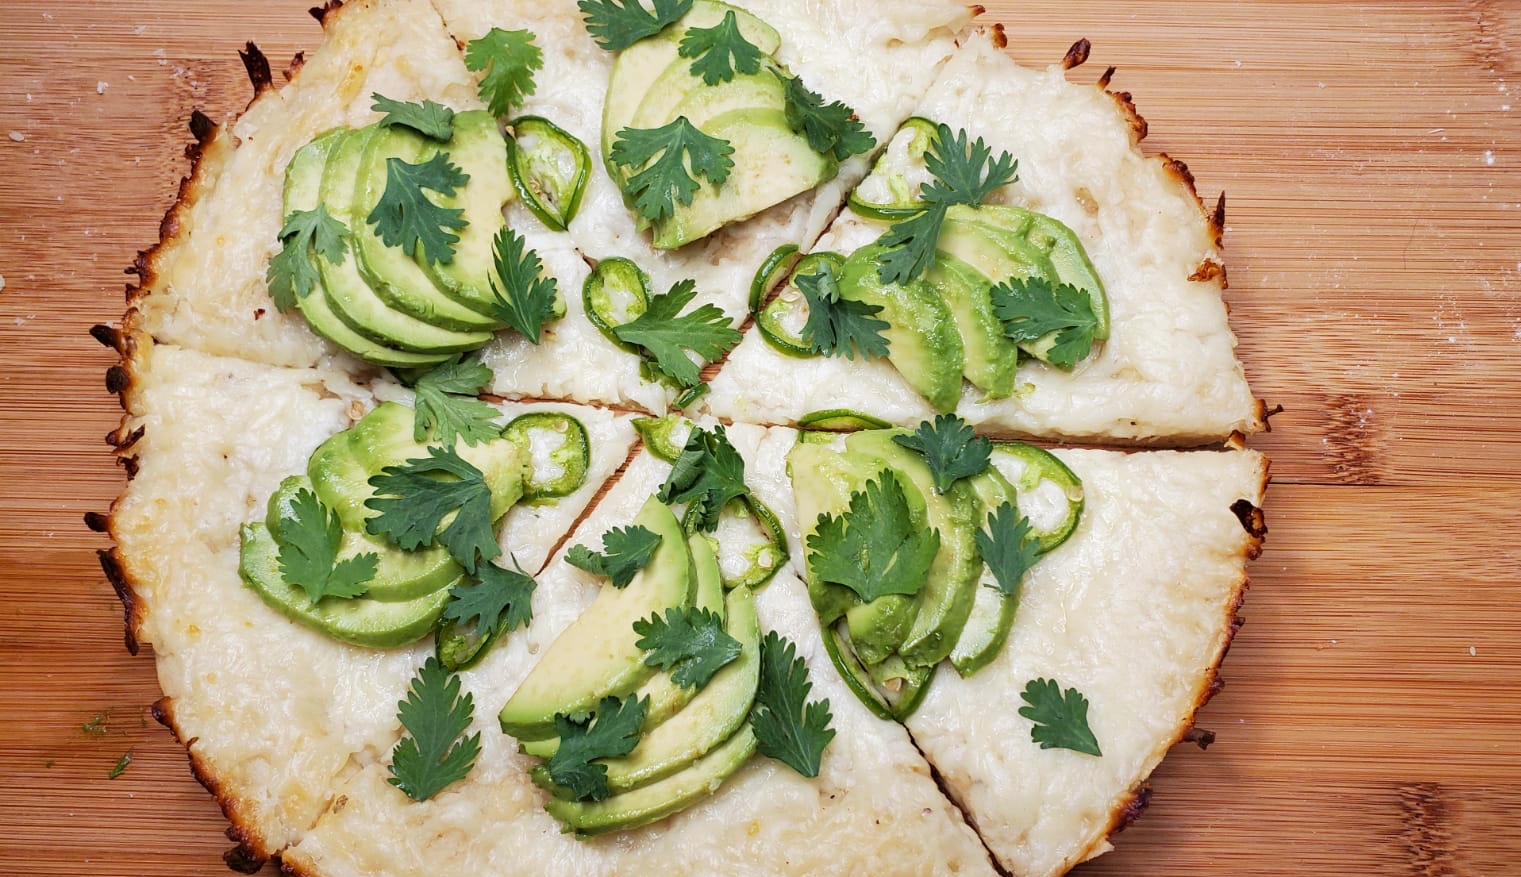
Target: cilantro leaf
526,299
668,179
1033,308
830,128
429,119
910,246
714,47
1009,547
692,638
618,24
431,755
498,600
1061,721
709,472
951,447
625,551
837,326
612,732
786,726
292,274
413,502
507,59
447,407
405,217
309,537
667,335
874,548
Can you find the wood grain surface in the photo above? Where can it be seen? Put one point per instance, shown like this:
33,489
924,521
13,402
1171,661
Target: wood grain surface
1372,721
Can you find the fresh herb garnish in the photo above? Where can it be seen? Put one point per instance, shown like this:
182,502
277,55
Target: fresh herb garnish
507,59
830,128
431,755
499,600
964,173
952,449
874,548
405,217
292,274
413,501
667,334
692,640
625,551
526,298
1009,547
618,24
613,731
1061,721
96,726
429,119
720,50
1033,308
786,726
838,326
309,536
447,407
709,473
121,765
671,178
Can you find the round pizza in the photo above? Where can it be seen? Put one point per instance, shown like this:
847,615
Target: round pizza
681,436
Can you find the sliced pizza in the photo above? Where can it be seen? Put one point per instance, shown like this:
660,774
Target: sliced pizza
1042,279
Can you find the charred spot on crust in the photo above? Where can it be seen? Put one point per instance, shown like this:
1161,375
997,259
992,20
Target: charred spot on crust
97,522
1200,737
296,63
131,465
202,128
977,10
116,574
1127,815
108,336
322,12
1209,270
1000,37
1077,55
1266,414
1104,80
1217,222
257,67
1253,521
1182,174
241,861
1132,116
250,847
117,379
122,442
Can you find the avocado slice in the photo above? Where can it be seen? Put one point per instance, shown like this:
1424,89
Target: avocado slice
363,622
596,656
348,293
991,358
711,717
661,798
480,150
951,588
922,341
1061,247
992,616
303,191
395,274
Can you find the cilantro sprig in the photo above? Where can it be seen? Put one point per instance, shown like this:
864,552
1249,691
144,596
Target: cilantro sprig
613,731
839,326
965,172
292,274
692,640
787,726
413,500
431,756
1032,308
684,154
427,118
618,24
497,601
709,473
952,449
507,60
308,537
666,334
1060,719
831,129
447,408
525,300
1009,547
874,548
721,50
405,217
625,551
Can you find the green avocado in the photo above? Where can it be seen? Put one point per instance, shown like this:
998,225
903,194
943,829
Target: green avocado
597,656
991,358
1060,246
480,150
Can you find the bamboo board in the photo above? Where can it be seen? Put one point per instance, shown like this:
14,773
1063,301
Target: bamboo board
1372,721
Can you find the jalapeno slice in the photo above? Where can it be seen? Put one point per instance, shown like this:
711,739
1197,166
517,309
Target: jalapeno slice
770,274
549,168
841,420
665,437
764,558
616,292
781,321
891,192
1048,493
561,453
460,647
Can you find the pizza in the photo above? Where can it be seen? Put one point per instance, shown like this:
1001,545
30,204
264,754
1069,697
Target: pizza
687,436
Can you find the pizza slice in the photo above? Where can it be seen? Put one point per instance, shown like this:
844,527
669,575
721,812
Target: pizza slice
1042,279
277,622
709,804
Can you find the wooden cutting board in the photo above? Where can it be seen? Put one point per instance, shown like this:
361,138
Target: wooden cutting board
1372,722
